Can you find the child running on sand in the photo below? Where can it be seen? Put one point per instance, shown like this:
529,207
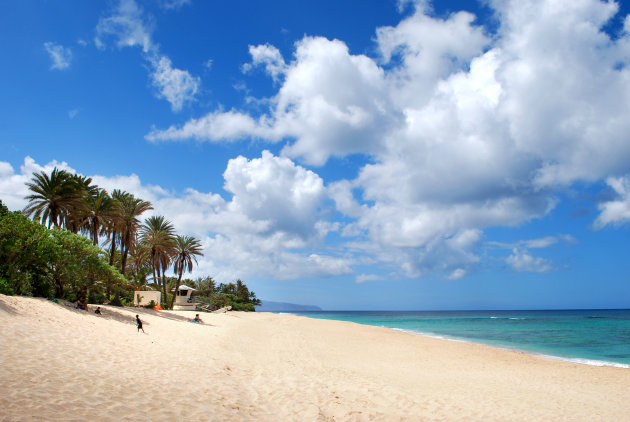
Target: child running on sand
139,323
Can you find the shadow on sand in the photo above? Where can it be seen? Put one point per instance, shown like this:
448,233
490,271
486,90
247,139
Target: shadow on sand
126,315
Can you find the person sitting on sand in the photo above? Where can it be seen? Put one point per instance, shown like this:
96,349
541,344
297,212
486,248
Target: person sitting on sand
196,319
139,323
82,304
98,310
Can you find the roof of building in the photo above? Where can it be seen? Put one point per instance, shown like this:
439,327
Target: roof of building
184,287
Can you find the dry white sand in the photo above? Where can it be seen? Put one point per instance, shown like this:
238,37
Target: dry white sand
60,364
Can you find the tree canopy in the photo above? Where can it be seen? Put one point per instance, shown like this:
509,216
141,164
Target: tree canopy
38,261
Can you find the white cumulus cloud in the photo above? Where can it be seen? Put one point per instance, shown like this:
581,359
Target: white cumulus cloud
617,211
270,57
522,261
175,85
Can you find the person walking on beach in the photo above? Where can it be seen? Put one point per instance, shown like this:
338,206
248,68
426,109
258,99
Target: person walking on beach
139,323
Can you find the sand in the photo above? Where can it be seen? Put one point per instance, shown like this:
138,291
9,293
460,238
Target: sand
61,364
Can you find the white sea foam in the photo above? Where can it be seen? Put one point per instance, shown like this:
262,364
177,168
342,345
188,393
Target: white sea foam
591,362
581,361
515,318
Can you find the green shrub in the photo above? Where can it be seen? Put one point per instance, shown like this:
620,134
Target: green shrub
245,307
5,287
97,296
115,300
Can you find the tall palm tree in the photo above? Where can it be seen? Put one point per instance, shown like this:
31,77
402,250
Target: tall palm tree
99,210
158,234
113,224
130,209
187,248
52,197
140,260
77,216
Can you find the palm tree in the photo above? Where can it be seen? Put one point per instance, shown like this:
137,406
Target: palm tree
130,209
140,261
187,247
113,224
158,234
52,197
99,210
77,216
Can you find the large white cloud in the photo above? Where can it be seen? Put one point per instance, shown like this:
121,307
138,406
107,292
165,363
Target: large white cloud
274,189
428,50
565,88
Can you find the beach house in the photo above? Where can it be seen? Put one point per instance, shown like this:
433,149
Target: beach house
144,297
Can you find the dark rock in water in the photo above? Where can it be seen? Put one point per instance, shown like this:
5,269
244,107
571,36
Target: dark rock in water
267,306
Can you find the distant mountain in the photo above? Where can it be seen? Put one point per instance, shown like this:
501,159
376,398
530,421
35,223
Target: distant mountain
268,306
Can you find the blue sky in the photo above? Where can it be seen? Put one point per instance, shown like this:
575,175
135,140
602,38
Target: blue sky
352,155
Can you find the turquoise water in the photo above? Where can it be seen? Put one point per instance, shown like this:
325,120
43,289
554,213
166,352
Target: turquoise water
596,337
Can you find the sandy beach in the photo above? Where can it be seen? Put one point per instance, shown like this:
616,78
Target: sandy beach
62,364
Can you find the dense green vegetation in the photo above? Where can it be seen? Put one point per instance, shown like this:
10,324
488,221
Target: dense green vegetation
45,262
236,295
50,257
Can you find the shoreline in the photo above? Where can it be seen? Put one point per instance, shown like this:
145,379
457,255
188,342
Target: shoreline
499,346
581,361
59,363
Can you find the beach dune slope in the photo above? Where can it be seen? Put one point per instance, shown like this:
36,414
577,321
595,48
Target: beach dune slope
58,363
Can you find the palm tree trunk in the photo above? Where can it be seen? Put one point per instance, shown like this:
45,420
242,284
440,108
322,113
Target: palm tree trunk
95,225
160,281
123,252
164,284
108,289
53,217
58,287
113,250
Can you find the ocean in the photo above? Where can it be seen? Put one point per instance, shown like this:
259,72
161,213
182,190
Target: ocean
595,337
